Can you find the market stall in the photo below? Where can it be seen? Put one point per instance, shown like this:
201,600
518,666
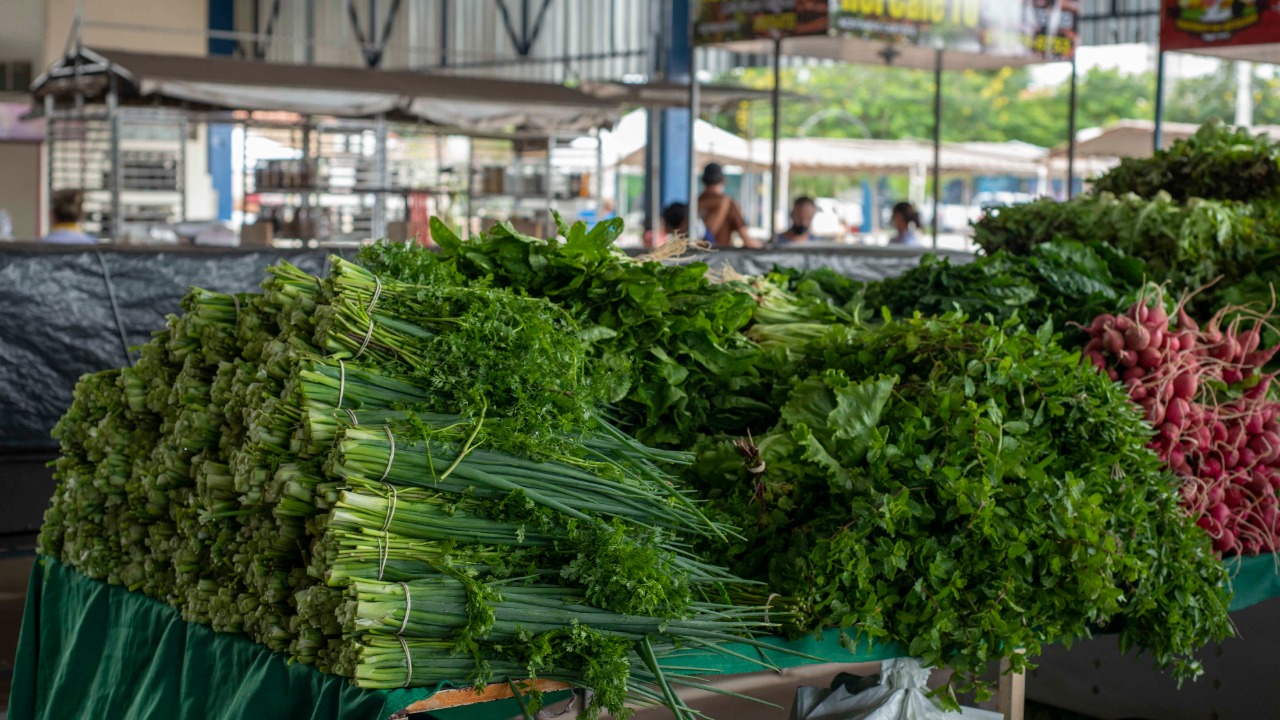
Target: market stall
338,181
1248,31
954,35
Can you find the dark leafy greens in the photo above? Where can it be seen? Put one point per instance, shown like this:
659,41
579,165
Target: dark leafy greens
966,489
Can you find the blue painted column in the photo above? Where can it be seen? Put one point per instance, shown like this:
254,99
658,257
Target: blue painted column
221,17
668,163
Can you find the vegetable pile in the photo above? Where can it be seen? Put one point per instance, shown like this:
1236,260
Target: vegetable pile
966,489
1204,391
1058,283
429,468
405,484
1206,209
1216,162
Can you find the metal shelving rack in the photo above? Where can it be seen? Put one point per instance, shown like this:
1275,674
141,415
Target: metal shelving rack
131,165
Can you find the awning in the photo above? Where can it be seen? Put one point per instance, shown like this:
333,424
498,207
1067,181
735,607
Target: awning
1134,138
818,156
468,104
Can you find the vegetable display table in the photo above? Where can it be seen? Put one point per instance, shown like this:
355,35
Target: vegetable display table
89,649
93,650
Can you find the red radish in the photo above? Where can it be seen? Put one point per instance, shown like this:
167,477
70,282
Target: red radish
1149,358
1215,495
1225,542
1185,386
1259,358
1133,373
1232,497
1123,323
1113,341
1111,373
1176,413
1247,458
1219,513
1100,323
1157,318
1185,322
1137,338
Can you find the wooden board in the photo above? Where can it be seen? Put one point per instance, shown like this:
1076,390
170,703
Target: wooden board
468,696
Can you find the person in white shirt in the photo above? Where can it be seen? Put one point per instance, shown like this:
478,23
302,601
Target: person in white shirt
67,214
905,221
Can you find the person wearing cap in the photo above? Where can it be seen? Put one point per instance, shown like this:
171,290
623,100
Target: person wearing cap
720,213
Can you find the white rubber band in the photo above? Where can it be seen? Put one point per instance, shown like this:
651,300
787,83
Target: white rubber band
408,661
368,335
236,299
352,414
391,506
391,456
408,605
342,382
767,603
383,549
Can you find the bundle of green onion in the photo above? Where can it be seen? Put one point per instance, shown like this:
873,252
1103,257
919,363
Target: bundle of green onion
295,465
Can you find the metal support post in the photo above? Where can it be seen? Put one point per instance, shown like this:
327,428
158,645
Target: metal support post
1071,133
547,188
695,107
379,225
117,177
774,175
937,146
1158,134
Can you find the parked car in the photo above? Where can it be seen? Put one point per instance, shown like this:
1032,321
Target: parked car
985,202
834,219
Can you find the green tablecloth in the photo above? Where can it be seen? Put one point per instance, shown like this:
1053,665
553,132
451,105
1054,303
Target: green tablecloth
1253,579
92,650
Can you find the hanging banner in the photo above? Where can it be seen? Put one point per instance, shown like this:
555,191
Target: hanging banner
1201,24
727,20
1013,28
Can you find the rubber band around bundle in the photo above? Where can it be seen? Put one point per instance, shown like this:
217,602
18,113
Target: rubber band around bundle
408,605
342,382
377,292
236,299
352,414
408,661
391,456
383,550
391,506
767,603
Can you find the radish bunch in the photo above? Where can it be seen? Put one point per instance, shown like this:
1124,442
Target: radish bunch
1204,391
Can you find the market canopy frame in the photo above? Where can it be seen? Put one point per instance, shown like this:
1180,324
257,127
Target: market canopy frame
470,105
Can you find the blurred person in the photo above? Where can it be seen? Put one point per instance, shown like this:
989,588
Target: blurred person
67,211
675,218
802,212
905,220
720,213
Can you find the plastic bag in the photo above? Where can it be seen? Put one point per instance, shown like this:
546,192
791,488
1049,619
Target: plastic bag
901,695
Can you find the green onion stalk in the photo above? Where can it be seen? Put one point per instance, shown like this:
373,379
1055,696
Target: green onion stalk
450,464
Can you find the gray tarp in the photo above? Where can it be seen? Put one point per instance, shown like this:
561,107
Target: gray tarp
57,322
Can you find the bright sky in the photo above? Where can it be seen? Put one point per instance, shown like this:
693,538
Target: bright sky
1135,58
